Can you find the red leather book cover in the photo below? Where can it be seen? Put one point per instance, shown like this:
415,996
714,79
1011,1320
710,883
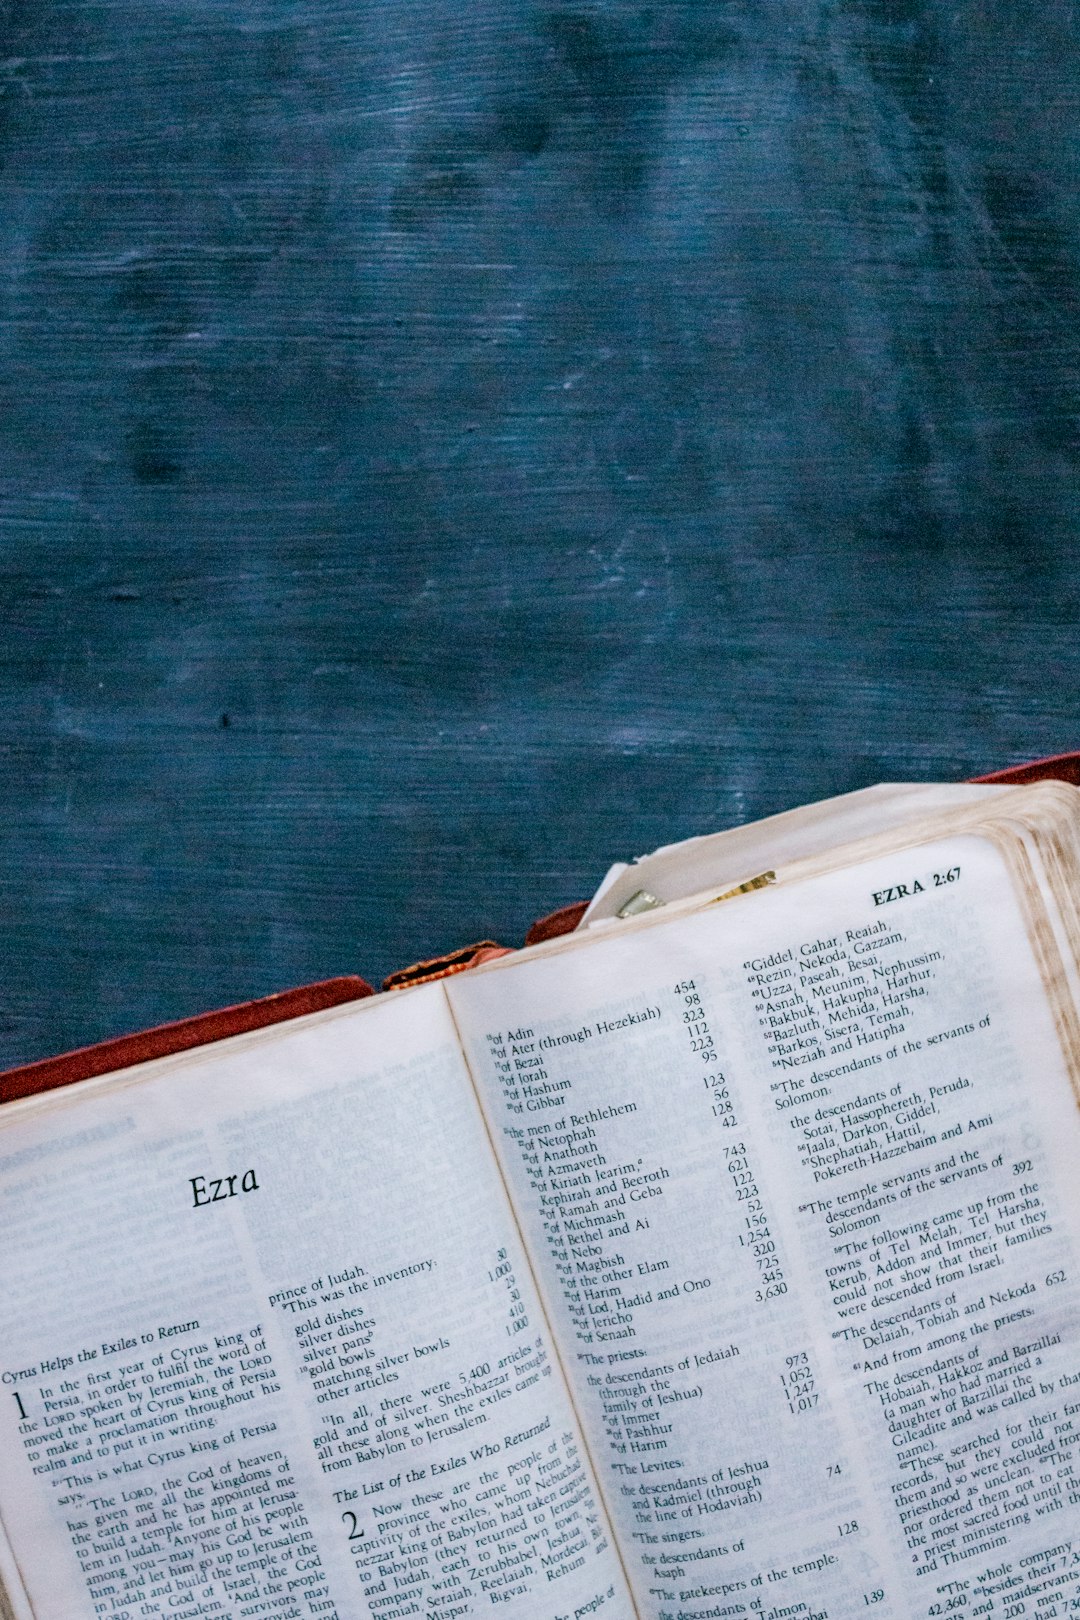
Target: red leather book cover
107,1056
1057,768
166,1039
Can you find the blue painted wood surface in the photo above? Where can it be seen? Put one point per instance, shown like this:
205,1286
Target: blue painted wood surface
444,447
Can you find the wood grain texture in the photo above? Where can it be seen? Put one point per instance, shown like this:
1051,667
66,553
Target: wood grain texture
446,447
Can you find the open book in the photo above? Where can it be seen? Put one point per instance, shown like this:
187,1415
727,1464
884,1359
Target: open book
720,1261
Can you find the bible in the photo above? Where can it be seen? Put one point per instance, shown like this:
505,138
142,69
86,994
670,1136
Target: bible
718,1258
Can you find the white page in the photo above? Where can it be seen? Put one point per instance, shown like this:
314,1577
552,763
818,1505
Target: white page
271,1345
798,1173
722,859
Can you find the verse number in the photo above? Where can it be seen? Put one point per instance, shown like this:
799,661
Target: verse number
950,876
354,1533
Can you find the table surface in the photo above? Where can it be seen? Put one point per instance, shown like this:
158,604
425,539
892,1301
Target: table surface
445,448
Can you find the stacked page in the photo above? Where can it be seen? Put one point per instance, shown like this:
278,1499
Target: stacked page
721,1262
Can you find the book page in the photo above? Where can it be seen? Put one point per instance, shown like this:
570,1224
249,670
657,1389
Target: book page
722,859
799,1177
271,1346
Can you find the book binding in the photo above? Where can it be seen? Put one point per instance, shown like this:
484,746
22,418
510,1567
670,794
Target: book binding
122,1052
